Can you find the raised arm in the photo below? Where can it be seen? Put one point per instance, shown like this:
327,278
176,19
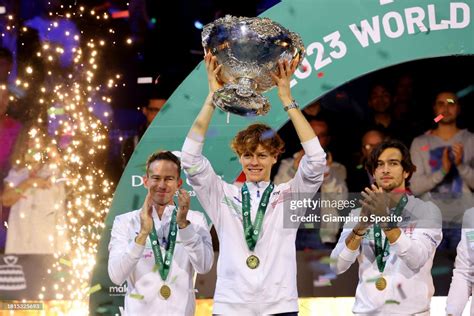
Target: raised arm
199,172
201,123
282,80
310,172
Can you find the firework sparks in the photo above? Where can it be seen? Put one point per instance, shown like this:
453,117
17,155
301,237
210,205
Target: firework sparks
68,138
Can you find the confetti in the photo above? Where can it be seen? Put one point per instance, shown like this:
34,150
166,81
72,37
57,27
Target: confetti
382,53
303,68
143,80
400,290
359,166
321,282
120,14
392,302
440,270
94,289
5,224
329,276
101,310
438,118
56,111
451,101
462,93
59,275
156,80
320,74
383,2
212,132
267,134
233,158
137,296
308,225
65,262
327,260
372,280
191,171
2,10
425,148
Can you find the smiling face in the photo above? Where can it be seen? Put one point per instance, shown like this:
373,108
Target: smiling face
257,165
389,173
162,181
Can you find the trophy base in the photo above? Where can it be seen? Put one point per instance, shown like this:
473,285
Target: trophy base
229,100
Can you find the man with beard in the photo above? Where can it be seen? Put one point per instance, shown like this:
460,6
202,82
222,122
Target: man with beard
445,155
395,257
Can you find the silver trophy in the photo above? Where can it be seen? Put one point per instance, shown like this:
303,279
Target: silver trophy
248,50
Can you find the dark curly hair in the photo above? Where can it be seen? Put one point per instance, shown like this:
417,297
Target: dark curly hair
406,162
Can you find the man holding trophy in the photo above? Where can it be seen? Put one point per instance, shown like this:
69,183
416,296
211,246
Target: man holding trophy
256,273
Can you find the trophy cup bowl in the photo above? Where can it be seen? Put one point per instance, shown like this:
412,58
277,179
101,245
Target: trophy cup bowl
248,50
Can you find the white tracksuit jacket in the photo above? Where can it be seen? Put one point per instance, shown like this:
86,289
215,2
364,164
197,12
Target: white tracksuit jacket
463,274
408,266
270,288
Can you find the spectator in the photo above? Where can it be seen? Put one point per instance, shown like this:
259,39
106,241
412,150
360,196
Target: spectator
333,186
444,158
150,111
381,118
359,178
37,216
445,155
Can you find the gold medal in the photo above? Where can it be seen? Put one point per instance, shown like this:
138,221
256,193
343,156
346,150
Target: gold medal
165,291
253,262
381,283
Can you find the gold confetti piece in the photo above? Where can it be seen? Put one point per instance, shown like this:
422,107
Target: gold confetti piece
65,262
372,279
137,296
327,260
94,289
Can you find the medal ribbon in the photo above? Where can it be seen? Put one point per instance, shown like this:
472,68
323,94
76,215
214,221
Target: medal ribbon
251,232
381,252
165,265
